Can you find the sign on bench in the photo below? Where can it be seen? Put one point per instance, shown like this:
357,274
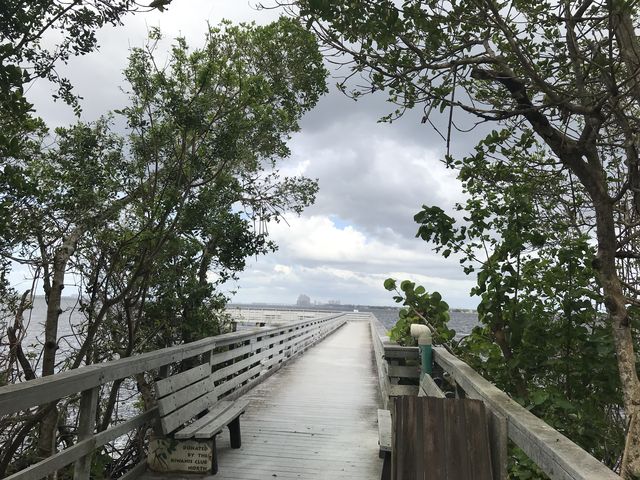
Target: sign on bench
167,455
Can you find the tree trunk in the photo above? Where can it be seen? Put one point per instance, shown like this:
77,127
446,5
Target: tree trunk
48,426
619,318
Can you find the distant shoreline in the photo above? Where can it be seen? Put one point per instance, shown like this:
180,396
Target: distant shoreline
332,306
329,306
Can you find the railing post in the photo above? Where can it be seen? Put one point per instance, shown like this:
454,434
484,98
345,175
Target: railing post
86,426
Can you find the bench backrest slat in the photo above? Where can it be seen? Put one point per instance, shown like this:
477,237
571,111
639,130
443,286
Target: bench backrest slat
174,401
182,415
169,385
184,395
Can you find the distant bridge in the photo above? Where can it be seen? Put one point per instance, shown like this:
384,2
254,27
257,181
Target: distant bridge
311,416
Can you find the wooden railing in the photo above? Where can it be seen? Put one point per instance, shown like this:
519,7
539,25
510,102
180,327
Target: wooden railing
555,454
239,360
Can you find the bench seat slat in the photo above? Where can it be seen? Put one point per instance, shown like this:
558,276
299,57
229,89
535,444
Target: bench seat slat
218,424
182,397
178,381
189,431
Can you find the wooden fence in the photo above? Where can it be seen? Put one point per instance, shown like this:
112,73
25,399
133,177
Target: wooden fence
239,360
555,454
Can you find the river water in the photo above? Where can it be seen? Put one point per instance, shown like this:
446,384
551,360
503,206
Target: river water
461,321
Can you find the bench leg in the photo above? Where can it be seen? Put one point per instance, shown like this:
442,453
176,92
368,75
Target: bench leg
214,462
234,433
386,467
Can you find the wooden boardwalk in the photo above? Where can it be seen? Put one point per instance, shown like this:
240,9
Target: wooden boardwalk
315,419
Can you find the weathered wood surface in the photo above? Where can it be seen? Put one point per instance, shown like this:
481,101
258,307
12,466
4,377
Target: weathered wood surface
43,390
82,448
384,430
281,340
428,387
440,439
224,419
86,423
403,390
555,454
379,338
404,372
173,383
499,439
190,430
314,419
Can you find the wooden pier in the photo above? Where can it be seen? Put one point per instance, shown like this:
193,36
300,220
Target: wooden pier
314,419
316,386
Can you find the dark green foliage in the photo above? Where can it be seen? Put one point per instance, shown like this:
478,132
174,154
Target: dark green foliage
550,224
152,222
420,307
543,337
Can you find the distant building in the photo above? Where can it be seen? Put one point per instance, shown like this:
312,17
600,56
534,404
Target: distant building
303,301
333,302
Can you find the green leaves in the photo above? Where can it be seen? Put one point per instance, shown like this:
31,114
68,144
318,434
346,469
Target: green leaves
420,307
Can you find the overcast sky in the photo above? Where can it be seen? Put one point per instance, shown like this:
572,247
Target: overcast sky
373,177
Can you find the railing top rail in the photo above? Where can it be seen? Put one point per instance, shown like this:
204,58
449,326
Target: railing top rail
20,396
285,309
554,453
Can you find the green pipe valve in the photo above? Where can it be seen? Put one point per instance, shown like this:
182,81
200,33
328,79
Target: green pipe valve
423,334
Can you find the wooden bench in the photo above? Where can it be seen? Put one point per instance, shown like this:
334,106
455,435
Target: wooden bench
190,418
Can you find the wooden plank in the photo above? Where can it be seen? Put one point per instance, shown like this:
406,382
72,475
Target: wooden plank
227,356
405,435
433,445
272,365
173,383
236,381
237,366
402,390
80,449
222,420
159,359
428,387
499,440
86,425
215,411
440,439
136,471
186,413
275,339
393,350
457,455
40,391
476,434
381,365
179,399
555,454
404,372
267,363
120,429
384,430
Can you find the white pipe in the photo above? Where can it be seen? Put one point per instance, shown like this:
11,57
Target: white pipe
422,333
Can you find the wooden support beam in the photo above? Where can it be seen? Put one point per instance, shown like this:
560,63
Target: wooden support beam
86,425
428,387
